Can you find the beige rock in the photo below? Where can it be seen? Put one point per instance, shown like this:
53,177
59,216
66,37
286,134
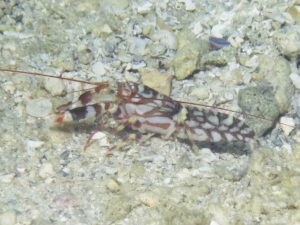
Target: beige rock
287,124
160,82
148,199
295,79
46,170
8,218
189,51
288,40
294,11
201,93
55,87
276,70
113,185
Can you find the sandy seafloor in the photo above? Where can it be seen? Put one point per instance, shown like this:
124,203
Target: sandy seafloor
47,178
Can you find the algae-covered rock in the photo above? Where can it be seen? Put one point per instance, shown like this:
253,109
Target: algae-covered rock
189,50
118,207
219,58
288,40
155,79
182,216
276,70
259,101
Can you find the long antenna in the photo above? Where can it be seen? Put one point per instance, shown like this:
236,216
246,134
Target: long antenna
104,83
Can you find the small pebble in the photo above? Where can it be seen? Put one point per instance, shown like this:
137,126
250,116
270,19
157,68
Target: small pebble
144,8
40,107
98,68
34,144
207,155
9,87
113,185
295,79
190,5
46,170
153,78
7,178
288,41
218,30
137,46
105,29
201,93
197,28
102,137
55,87
65,200
8,218
287,124
148,199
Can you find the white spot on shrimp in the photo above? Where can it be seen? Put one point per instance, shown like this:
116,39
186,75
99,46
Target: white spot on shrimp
158,102
240,137
234,129
136,99
200,135
207,126
229,137
198,113
90,111
141,88
228,121
142,109
130,108
192,123
200,118
240,124
216,137
222,128
159,120
213,119
246,131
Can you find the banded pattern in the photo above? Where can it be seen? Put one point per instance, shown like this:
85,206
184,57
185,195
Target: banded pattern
209,126
157,113
143,109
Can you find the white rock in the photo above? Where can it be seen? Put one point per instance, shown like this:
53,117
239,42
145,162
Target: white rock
166,38
201,93
98,68
8,218
54,86
144,8
39,107
30,144
218,30
197,28
288,41
7,178
105,29
190,5
9,87
236,41
137,46
102,137
207,155
252,62
46,170
213,223
287,124
295,79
